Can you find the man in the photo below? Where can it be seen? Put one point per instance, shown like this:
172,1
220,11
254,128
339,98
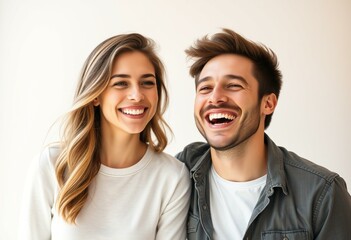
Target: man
244,186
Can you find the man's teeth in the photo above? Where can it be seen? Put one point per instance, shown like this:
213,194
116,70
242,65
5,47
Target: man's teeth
133,111
220,115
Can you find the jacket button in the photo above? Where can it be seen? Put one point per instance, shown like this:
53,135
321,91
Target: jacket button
204,207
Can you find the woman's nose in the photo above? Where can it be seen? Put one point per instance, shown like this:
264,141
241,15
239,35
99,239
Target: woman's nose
135,94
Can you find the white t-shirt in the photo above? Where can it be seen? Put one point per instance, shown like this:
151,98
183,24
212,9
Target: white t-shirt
148,200
232,204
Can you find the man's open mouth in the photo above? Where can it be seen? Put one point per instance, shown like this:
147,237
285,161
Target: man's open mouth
220,118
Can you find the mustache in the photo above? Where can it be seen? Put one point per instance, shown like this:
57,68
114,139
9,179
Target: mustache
220,105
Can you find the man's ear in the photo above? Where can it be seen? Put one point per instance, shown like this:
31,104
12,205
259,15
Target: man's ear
269,102
96,102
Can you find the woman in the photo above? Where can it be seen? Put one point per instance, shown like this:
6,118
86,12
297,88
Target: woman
108,177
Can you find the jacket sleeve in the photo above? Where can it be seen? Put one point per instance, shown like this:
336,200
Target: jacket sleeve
172,222
333,216
192,153
180,156
37,201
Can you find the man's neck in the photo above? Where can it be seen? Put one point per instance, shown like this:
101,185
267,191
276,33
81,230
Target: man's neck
245,162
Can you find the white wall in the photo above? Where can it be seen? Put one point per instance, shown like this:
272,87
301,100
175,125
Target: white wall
43,45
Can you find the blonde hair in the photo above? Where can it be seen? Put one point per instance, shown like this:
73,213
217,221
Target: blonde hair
79,162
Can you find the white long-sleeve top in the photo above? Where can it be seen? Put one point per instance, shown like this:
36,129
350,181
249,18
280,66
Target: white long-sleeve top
148,200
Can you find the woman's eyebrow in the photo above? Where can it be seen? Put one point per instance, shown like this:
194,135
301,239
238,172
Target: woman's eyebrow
148,75
120,76
128,76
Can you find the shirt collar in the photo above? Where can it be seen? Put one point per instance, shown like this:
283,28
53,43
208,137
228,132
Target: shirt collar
275,167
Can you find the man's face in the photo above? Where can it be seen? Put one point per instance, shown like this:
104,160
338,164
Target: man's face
227,109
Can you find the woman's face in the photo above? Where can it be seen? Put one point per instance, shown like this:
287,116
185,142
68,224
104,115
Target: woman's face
130,100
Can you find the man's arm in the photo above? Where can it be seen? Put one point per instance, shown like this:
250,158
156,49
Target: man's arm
333,216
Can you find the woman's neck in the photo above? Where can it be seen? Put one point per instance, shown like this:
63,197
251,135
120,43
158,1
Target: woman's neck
122,150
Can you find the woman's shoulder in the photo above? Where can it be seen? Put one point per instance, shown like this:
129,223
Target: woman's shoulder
48,155
167,162
42,167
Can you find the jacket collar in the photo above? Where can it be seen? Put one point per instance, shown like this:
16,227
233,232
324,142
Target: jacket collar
202,166
275,163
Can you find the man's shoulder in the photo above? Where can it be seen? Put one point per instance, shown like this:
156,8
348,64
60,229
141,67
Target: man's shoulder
296,168
294,162
192,153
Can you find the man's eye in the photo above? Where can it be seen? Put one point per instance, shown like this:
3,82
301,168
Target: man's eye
204,89
235,86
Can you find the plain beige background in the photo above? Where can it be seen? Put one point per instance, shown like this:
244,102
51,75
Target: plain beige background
43,45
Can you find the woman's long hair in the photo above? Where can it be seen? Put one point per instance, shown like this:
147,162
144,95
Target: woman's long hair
79,161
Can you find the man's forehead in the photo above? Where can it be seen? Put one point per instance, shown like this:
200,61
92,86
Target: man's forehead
226,66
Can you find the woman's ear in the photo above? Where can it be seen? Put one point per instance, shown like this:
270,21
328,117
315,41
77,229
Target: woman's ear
96,102
269,102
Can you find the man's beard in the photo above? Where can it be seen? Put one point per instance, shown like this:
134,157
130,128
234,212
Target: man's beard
248,128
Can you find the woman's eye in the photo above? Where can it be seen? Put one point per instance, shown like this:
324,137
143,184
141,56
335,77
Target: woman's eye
149,83
120,84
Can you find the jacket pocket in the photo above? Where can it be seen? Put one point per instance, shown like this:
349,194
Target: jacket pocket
193,223
299,234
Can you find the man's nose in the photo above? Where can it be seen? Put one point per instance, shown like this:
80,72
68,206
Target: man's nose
217,96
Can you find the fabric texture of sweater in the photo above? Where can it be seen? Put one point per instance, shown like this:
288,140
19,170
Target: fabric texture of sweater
148,200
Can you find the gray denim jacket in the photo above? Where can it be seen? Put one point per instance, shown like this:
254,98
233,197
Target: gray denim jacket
301,200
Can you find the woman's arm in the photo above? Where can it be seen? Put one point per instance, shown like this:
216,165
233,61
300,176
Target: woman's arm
172,223
38,199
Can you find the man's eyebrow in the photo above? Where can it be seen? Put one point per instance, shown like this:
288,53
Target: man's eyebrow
128,76
232,76
228,76
202,80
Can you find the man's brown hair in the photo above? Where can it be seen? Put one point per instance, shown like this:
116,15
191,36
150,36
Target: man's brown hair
264,59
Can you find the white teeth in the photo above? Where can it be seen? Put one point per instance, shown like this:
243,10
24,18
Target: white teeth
133,111
220,115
